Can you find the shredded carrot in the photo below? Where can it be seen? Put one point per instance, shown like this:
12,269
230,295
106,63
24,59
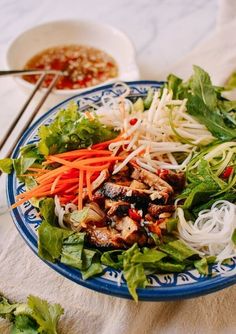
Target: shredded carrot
54,184
107,143
75,200
78,164
32,191
89,187
80,193
85,166
80,153
72,188
52,173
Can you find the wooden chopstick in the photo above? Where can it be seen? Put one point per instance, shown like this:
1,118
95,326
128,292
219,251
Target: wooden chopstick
18,116
34,113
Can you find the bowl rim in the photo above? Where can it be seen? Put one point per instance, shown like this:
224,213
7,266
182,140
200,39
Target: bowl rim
100,284
65,92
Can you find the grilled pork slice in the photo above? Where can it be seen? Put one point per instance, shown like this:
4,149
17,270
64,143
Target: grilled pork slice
125,233
130,231
123,177
155,210
117,192
176,180
105,237
153,181
137,185
118,208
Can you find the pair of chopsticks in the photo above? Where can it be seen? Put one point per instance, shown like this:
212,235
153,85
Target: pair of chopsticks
27,102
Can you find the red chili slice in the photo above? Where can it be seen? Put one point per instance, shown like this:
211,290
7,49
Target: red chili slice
162,172
227,172
133,214
133,121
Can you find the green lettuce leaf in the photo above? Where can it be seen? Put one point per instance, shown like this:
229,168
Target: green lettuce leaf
149,255
47,210
72,250
178,250
169,267
202,266
92,264
50,241
75,255
113,259
133,273
231,82
6,165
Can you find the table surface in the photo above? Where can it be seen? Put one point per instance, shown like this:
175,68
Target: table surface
163,31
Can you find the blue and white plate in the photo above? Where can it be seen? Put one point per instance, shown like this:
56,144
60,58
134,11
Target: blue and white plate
161,287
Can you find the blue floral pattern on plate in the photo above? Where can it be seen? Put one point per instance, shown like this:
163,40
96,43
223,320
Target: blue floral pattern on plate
161,287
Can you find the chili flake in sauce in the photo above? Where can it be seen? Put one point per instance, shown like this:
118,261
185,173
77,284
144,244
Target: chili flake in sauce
83,66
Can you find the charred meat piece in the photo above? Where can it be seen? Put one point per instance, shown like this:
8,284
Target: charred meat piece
105,237
121,179
117,192
155,210
154,181
125,233
176,180
137,185
130,231
118,208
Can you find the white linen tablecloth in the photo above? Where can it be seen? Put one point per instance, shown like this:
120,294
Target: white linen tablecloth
23,273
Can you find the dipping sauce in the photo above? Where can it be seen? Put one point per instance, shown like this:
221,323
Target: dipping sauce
83,66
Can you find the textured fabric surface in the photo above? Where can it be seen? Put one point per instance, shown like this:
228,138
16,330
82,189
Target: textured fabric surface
23,273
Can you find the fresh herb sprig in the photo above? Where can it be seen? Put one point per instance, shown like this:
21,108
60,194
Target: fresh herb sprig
35,316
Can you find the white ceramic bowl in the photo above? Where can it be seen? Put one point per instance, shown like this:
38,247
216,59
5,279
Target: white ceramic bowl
102,36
